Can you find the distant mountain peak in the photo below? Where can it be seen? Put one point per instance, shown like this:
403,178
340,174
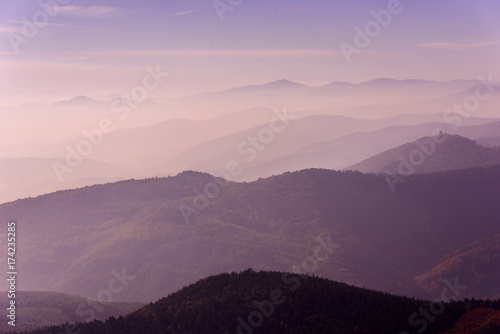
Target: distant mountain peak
283,83
381,81
339,84
77,100
81,98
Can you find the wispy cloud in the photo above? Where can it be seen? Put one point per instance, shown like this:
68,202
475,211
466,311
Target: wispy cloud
50,27
75,59
89,30
457,46
182,13
49,24
294,53
94,11
7,29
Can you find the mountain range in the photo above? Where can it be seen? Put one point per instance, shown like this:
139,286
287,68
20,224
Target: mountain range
169,232
319,141
386,185
330,126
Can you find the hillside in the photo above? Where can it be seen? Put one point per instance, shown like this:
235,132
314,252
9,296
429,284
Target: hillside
42,308
478,321
274,302
478,264
428,155
163,234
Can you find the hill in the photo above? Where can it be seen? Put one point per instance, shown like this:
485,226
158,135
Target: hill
164,233
478,264
478,321
428,155
42,308
274,302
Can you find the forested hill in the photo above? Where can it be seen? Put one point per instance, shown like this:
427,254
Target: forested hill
431,154
274,302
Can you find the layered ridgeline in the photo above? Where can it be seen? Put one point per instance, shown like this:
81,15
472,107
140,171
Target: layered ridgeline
37,309
139,240
431,154
274,302
472,261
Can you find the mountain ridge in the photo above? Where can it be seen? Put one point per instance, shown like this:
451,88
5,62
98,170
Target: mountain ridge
193,225
429,154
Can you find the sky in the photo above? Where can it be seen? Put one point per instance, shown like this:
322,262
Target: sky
97,48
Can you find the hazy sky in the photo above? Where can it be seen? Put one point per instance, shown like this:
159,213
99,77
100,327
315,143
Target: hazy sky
102,47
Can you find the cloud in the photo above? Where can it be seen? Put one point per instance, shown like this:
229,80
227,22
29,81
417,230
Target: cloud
182,13
94,11
21,23
7,29
293,53
75,59
457,46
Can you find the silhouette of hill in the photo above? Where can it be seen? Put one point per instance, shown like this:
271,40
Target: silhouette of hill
274,302
78,101
430,154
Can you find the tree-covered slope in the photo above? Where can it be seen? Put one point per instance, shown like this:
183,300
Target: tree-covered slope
275,302
431,154
478,265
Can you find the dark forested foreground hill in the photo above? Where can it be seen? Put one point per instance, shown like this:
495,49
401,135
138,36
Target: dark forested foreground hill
274,302
431,154
149,238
